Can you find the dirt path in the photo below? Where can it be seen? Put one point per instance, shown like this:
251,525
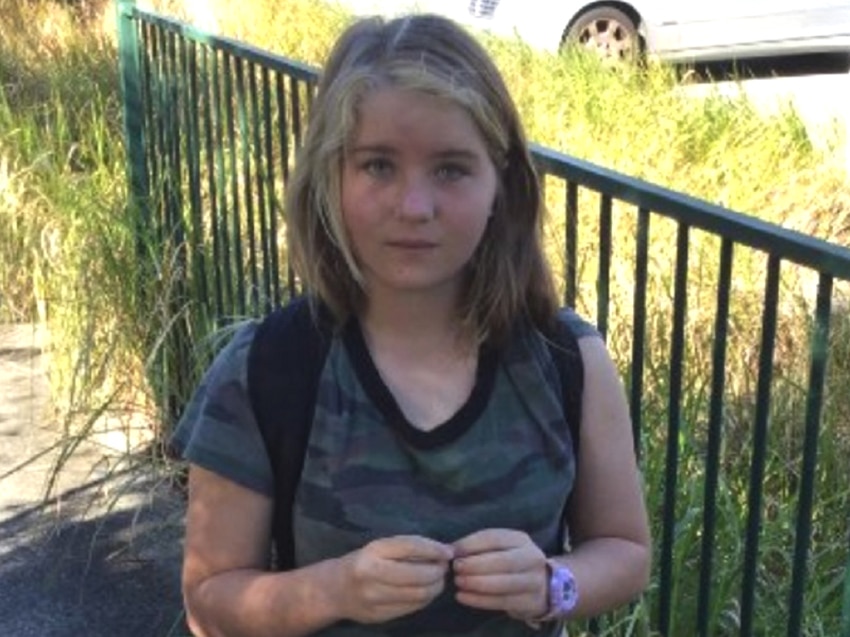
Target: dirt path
101,556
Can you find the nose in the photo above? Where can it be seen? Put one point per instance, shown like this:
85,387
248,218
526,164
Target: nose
416,200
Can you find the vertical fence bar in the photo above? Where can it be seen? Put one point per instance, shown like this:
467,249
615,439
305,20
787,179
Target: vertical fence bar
195,246
160,170
715,427
295,119
211,152
571,246
148,44
603,281
171,107
265,186
273,208
677,357
222,182
762,417
170,131
159,103
132,91
283,142
177,355
192,104
260,260
814,403
295,101
245,146
309,94
639,324
236,239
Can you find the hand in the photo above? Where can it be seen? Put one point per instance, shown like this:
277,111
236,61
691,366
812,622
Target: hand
500,569
392,577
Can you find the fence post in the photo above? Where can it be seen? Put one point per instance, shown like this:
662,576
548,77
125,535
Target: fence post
131,95
139,198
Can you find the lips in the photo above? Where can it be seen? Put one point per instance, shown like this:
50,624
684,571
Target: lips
412,244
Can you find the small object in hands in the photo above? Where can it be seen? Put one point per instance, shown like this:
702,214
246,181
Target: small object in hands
563,593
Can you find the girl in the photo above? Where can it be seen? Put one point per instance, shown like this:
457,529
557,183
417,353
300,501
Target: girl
439,461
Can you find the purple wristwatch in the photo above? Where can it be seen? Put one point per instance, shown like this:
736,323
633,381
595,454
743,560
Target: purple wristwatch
563,593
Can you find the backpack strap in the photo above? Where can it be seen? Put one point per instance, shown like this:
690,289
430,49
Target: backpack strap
284,364
566,356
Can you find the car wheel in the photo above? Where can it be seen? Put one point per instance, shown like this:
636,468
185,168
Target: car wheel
607,31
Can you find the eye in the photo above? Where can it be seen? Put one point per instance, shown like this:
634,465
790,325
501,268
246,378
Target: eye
451,172
378,167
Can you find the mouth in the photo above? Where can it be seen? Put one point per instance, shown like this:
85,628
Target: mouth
412,244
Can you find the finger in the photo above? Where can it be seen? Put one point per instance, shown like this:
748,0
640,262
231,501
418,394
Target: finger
489,540
404,573
515,560
508,584
485,563
413,548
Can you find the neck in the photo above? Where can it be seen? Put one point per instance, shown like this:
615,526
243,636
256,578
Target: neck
416,323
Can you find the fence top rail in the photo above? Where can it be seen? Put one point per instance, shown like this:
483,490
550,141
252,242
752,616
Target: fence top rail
823,256
262,57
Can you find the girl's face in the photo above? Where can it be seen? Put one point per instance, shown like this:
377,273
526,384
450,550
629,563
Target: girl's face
418,188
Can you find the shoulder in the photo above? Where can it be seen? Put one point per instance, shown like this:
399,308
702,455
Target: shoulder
578,326
568,337
598,371
230,364
596,360
218,430
225,379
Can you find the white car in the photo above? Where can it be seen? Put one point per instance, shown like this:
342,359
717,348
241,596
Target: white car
678,30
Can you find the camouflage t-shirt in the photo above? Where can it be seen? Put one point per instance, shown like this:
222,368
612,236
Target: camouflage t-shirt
504,460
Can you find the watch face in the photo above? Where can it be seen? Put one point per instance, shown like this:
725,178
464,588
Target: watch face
563,591
570,592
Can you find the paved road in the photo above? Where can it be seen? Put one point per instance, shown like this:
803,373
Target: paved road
99,558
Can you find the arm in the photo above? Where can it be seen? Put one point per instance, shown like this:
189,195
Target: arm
504,570
225,586
608,522
228,591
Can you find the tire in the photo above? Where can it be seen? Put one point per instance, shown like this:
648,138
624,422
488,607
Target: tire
607,31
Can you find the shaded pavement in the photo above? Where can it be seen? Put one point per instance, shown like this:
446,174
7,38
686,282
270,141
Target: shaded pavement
101,556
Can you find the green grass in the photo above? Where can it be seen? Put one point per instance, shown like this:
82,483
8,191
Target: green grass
70,258
68,240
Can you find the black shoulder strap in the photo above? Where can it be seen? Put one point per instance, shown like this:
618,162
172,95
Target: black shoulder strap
284,365
566,355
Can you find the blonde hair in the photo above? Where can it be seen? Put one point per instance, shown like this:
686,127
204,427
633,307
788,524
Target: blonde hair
508,277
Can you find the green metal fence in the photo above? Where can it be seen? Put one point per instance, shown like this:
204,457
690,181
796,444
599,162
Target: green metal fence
721,323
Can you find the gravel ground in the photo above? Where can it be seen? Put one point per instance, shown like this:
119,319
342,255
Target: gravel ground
101,556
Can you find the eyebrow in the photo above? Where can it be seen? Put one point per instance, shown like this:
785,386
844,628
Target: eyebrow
381,149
